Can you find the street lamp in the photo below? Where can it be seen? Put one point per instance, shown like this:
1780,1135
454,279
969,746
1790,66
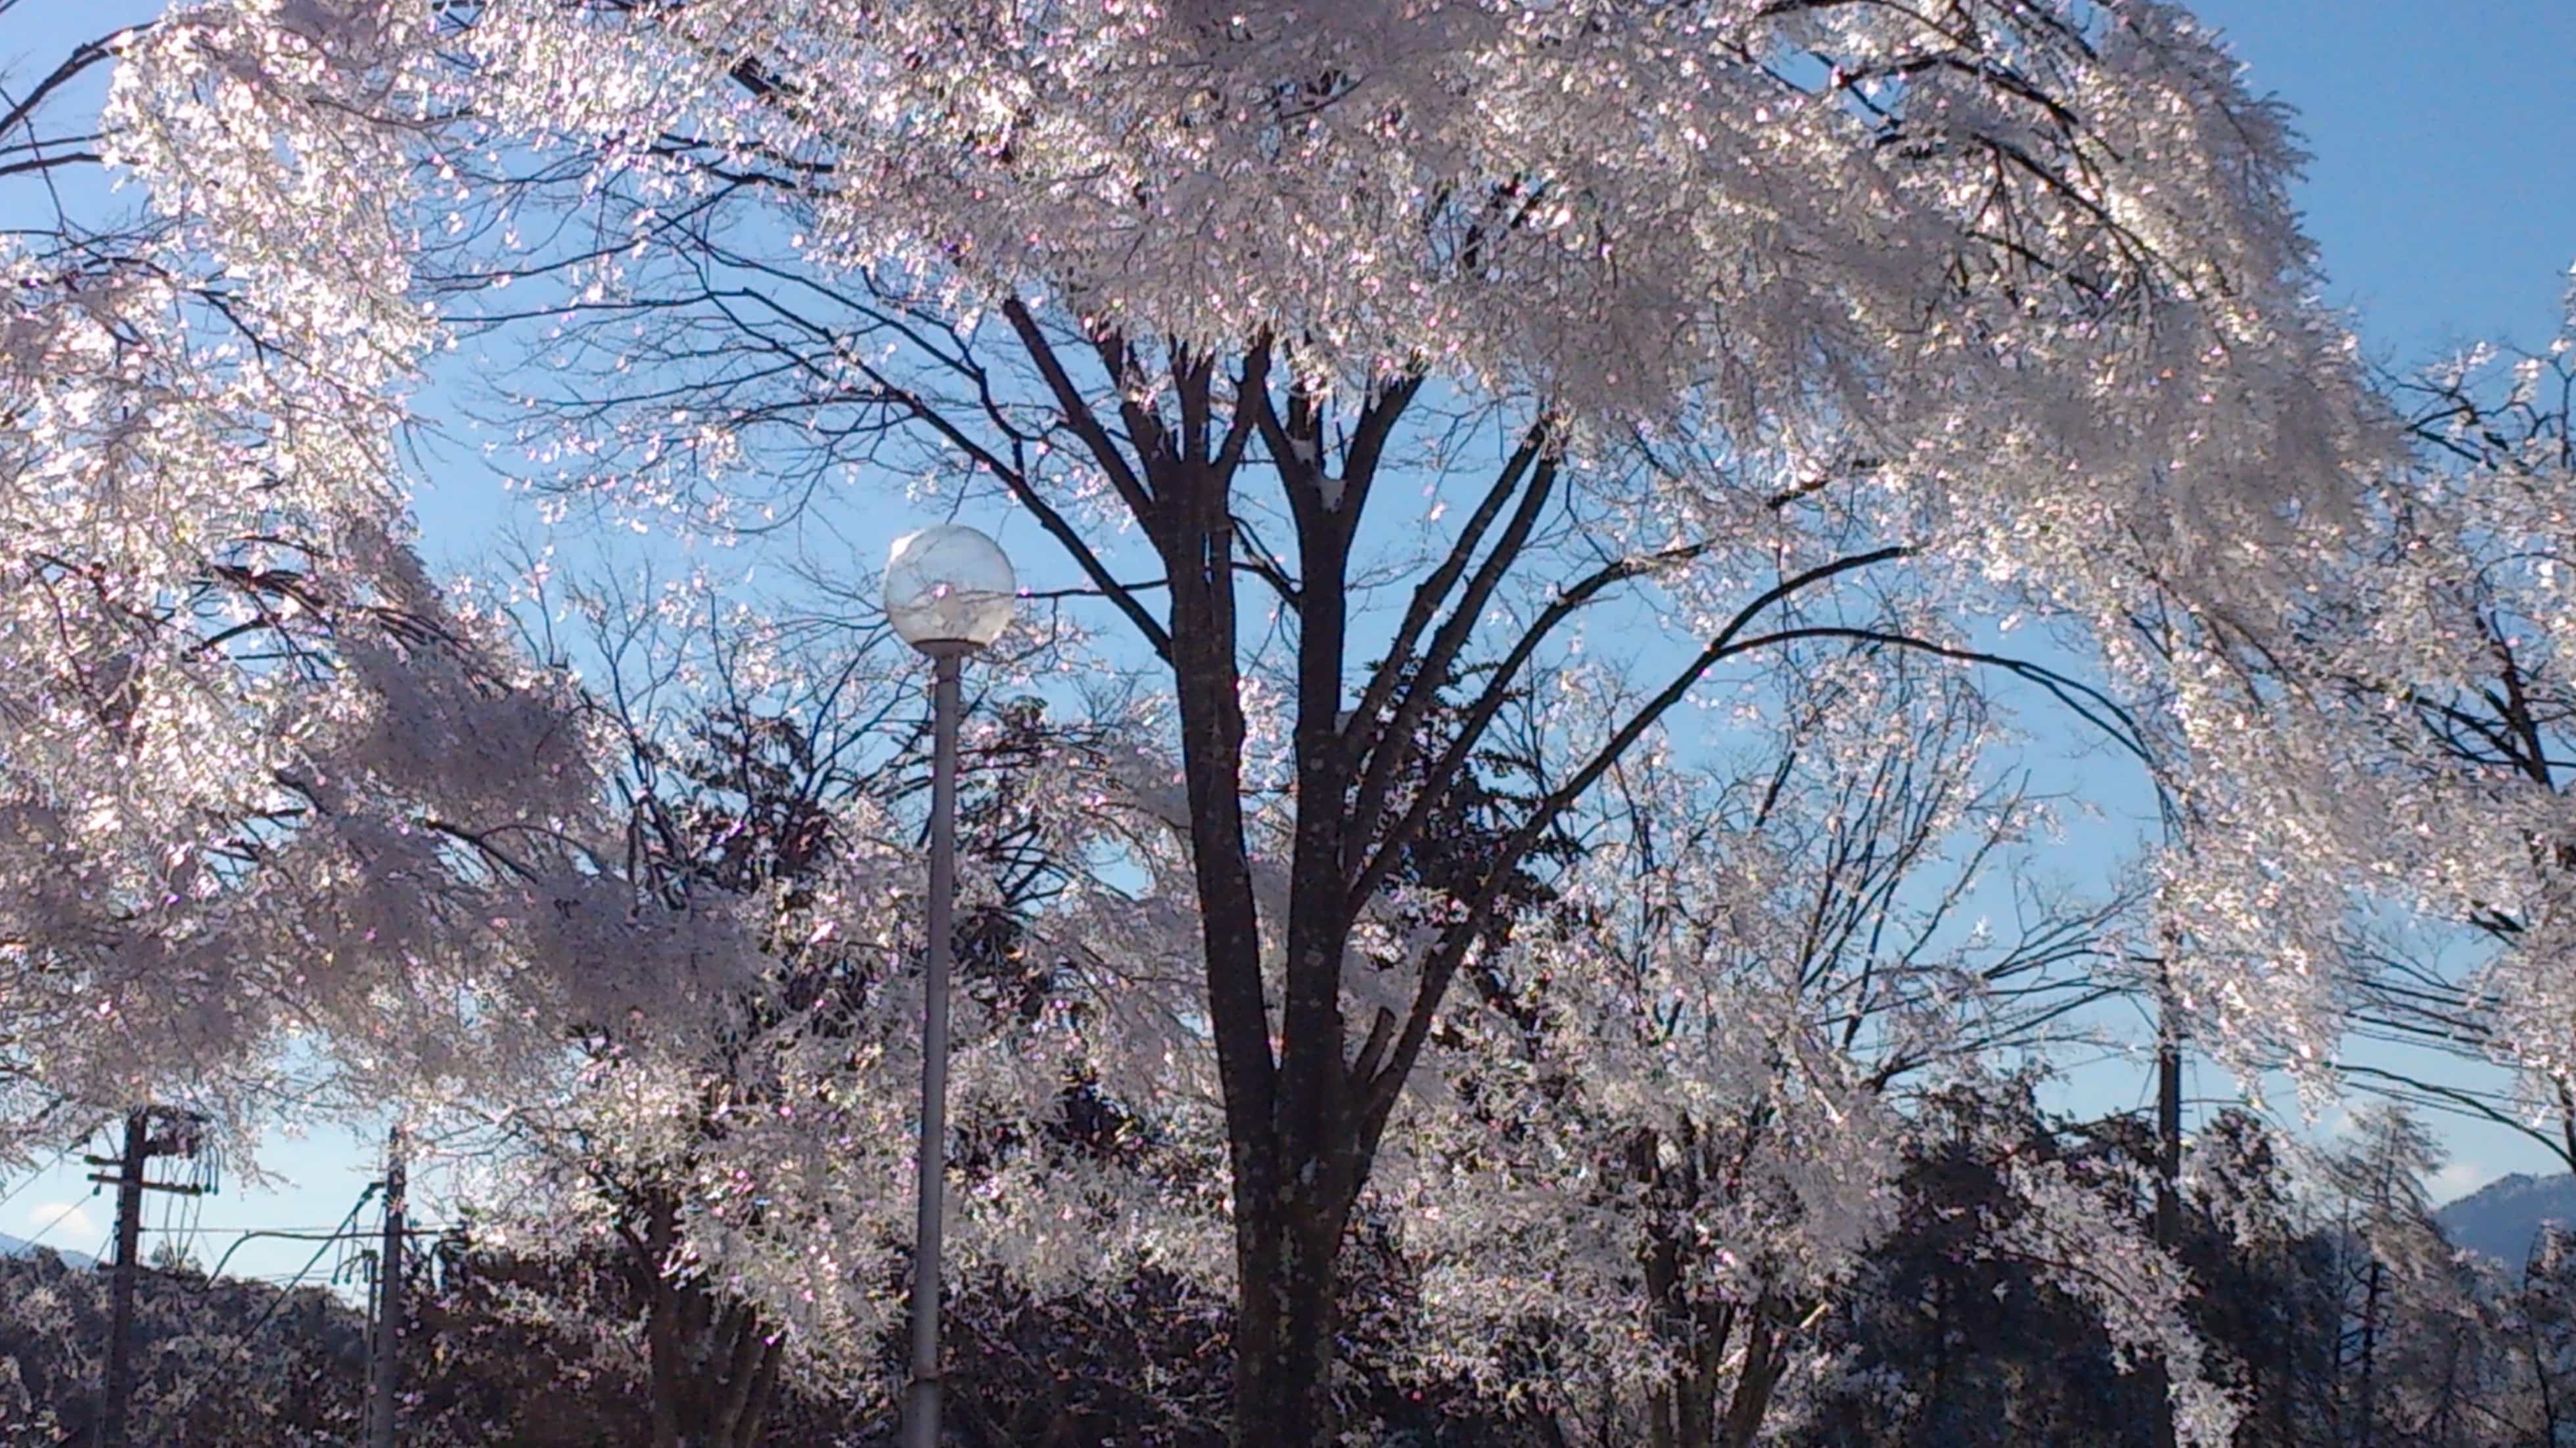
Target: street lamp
949,591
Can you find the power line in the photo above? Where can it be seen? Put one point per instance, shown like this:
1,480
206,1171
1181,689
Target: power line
38,1175
176,1208
336,1234
286,1289
340,1234
302,1231
59,1217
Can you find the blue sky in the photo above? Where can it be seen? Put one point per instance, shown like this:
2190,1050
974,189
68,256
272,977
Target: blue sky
2443,196
2443,192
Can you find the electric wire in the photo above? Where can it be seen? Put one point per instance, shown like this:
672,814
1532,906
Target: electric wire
59,1217
169,1211
241,1341
34,1177
335,1234
340,1234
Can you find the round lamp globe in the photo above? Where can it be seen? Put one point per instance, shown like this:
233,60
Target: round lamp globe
949,589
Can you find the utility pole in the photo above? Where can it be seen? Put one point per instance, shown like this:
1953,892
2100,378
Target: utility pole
384,1355
2168,1220
120,1292
117,1393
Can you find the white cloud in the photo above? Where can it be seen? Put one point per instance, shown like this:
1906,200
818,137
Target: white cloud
2458,1179
65,1225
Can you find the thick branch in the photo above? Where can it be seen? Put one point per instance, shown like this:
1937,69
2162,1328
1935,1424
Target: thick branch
1079,416
1394,744
1464,935
1480,715
1426,597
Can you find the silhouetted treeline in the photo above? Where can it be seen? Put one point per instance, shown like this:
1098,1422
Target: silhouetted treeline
2332,1309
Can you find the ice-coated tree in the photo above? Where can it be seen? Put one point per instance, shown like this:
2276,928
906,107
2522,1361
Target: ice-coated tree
2406,1296
1355,358
2481,537
262,781
2395,765
1687,1087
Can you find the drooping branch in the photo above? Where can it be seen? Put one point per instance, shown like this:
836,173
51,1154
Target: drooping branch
21,111
2399,1086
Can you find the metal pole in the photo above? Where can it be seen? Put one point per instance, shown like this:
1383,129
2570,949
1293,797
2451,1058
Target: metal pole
383,1365
2168,1218
922,1420
119,1388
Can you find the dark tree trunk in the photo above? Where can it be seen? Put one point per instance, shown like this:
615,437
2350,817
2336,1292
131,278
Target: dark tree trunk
1766,1358
713,1366
1708,1335
1298,1147
1284,1341
1285,1232
1304,1113
2370,1357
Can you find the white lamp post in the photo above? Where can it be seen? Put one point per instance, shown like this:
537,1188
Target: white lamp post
949,591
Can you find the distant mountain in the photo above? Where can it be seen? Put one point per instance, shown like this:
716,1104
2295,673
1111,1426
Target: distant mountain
21,1247
2499,1219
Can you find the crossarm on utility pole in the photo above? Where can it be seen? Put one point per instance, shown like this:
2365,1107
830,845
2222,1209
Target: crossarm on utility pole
116,1395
